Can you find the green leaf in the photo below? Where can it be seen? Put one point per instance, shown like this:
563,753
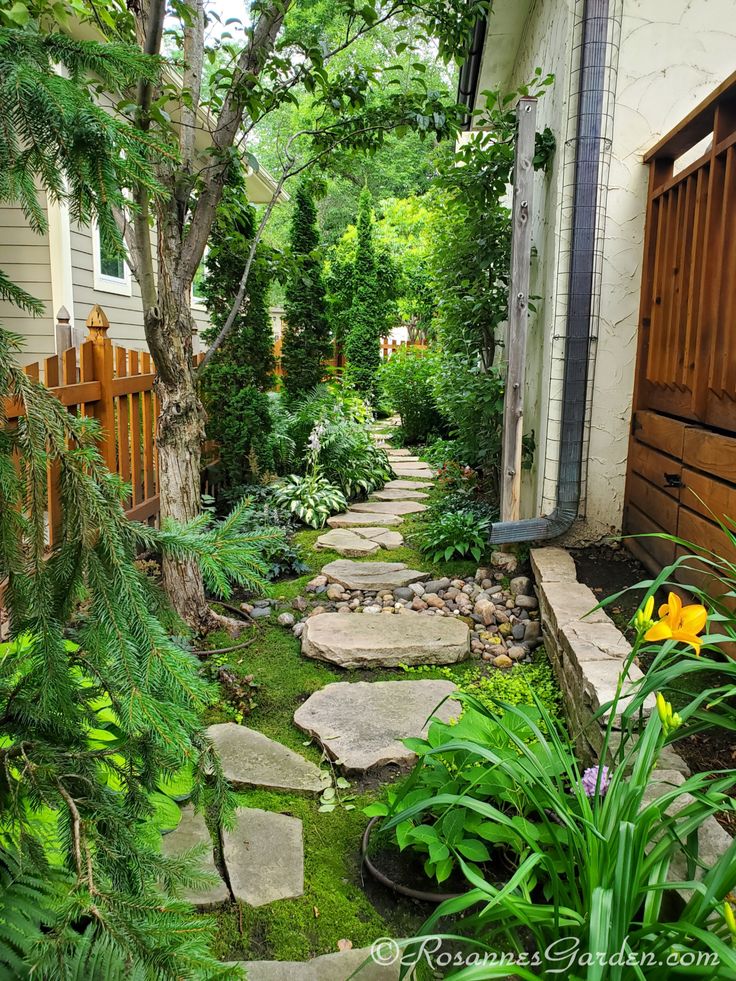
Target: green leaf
476,851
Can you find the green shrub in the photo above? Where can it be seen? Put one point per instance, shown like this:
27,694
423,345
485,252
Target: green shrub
306,341
235,382
407,379
367,316
455,534
312,498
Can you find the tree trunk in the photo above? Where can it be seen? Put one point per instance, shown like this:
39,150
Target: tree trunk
169,327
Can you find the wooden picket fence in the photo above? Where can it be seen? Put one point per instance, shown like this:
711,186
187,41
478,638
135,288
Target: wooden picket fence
389,346
114,386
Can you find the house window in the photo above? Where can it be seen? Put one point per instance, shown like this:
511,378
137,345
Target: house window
111,271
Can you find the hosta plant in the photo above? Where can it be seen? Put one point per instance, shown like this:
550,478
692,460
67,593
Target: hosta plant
456,534
312,498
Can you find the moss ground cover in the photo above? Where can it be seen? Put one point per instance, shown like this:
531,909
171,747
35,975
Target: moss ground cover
335,904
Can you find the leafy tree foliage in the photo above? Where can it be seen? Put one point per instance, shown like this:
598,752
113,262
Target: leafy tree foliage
99,708
236,380
306,340
367,317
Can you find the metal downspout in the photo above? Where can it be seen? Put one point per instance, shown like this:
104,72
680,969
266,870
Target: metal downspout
579,320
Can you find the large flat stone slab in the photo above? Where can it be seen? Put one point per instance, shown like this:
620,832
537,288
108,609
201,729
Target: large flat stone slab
420,485
359,542
412,470
346,542
264,856
330,967
250,759
389,507
362,640
362,724
393,494
192,831
353,519
400,451
395,458
371,575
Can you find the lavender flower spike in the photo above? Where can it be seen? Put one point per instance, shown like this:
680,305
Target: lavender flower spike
590,779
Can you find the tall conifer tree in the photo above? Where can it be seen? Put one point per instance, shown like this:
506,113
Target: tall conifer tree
367,319
306,341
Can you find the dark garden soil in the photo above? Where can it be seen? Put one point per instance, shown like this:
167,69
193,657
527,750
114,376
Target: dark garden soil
607,570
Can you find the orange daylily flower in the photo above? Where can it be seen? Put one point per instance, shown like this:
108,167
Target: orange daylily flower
678,622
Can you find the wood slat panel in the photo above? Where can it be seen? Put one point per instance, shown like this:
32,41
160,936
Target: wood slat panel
654,466
650,499
660,432
712,452
136,460
712,498
121,367
638,523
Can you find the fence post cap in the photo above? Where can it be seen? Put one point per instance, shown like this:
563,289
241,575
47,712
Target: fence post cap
97,322
63,316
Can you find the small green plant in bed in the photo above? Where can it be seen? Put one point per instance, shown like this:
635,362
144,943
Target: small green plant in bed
312,498
456,534
441,836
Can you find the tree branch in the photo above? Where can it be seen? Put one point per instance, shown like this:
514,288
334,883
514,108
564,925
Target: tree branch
193,51
249,67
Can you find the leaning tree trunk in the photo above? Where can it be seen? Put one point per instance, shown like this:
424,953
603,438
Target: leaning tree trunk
169,326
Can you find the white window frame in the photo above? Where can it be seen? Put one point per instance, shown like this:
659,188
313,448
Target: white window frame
199,302
108,284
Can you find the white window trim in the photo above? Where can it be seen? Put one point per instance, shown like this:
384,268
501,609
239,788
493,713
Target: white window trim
199,302
108,284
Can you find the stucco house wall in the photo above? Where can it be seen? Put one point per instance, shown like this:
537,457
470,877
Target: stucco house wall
671,54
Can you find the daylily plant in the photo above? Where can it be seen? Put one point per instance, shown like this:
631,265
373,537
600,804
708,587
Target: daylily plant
676,622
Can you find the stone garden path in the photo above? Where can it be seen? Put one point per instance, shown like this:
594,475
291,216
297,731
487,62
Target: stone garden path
360,725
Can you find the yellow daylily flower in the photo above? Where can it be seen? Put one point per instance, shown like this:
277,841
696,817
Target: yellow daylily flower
670,720
678,622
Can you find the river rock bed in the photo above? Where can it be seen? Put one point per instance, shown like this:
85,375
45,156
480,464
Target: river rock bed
504,621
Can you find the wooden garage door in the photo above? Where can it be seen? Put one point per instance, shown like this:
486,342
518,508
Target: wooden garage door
682,455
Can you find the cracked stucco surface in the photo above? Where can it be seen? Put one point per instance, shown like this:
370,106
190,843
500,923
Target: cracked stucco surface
672,54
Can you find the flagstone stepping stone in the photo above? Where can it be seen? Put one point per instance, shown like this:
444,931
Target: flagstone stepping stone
330,967
393,458
407,485
264,856
362,640
412,470
250,759
346,542
192,831
372,575
398,495
400,451
354,543
389,507
362,724
353,519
